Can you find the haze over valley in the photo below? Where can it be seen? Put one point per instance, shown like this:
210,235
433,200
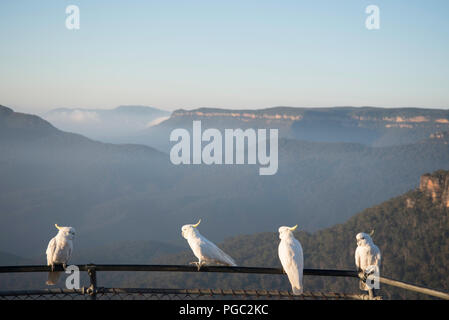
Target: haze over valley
130,192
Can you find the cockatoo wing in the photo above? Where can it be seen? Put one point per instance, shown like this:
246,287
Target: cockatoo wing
292,260
358,257
69,251
210,251
50,251
194,244
53,277
377,255
366,256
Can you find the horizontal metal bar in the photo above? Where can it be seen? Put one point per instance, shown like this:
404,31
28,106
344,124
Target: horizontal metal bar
41,292
179,268
414,288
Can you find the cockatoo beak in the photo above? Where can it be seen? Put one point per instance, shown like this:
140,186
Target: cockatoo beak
196,225
293,228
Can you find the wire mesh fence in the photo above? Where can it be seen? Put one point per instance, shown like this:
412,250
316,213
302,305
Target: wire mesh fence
171,294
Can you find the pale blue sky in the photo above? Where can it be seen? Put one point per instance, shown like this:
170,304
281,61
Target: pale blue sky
230,54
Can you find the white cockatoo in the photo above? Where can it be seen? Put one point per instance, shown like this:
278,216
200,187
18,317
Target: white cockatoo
292,259
59,251
367,256
206,251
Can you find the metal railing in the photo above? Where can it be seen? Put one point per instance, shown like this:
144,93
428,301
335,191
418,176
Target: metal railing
95,292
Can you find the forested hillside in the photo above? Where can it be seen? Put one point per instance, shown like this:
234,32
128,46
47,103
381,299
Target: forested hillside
412,232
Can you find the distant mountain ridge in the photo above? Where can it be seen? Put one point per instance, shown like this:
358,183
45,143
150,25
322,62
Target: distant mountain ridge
366,125
370,115
371,126
12,123
125,109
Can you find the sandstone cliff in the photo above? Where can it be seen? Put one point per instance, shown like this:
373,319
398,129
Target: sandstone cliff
436,185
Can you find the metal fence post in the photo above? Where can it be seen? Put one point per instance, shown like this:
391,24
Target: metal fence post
92,290
371,293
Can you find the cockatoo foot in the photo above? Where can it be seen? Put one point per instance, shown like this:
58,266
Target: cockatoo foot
52,267
64,265
362,276
197,264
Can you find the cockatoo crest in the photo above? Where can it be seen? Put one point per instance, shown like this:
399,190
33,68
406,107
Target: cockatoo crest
286,232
